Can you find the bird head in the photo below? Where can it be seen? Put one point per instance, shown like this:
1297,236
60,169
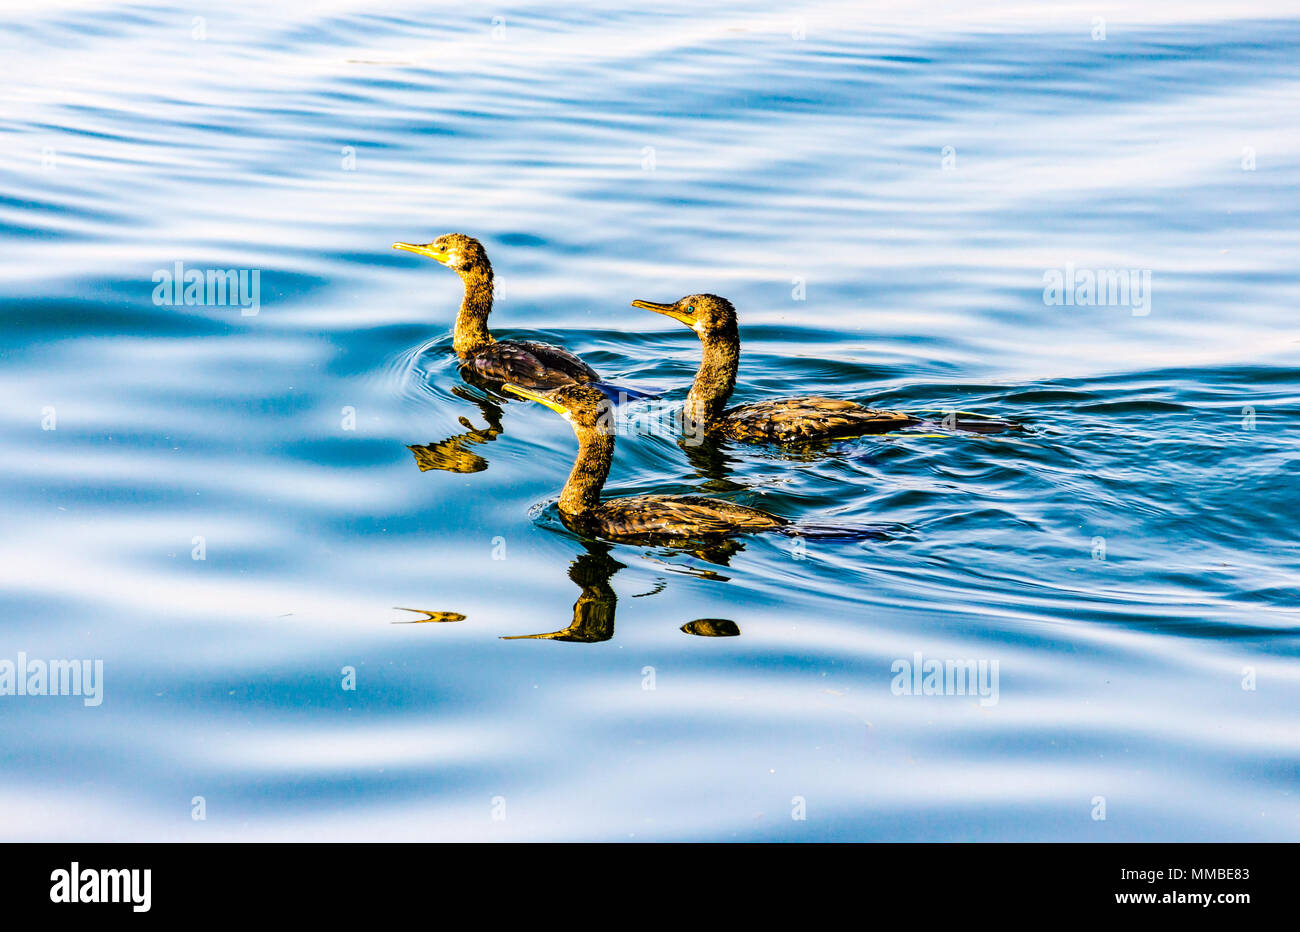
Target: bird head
587,409
461,253
703,313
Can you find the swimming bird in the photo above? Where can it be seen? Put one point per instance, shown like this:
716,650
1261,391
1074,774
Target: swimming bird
686,517
782,420
523,362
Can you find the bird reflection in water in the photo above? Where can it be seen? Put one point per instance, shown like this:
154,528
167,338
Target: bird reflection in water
593,613
429,616
708,457
453,454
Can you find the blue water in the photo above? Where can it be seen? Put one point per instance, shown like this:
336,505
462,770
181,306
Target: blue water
881,199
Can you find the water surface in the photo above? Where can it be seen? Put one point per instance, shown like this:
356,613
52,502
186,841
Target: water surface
880,195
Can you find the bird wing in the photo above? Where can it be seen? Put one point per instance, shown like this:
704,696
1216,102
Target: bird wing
529,364
809,418
683,516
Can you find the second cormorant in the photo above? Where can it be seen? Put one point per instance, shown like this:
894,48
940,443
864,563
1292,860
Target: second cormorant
802,419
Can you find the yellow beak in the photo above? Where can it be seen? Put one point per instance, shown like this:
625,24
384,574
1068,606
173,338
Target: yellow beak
427,250
533,396
668,310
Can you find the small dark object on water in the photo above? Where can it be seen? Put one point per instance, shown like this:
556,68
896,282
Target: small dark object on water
712,628
441,617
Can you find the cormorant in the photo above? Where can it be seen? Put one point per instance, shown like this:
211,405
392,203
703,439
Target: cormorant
644,517
523,362
783,420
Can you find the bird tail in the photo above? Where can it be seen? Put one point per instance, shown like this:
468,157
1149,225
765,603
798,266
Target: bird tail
621,394
970,423
815,531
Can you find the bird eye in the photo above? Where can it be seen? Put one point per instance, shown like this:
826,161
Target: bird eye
691,309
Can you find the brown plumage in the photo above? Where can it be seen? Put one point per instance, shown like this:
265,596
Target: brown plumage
644,517
523,362
692,517
791,420
528,362
783,420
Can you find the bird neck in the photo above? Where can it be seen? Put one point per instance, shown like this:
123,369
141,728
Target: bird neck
717,376
471,331
581,492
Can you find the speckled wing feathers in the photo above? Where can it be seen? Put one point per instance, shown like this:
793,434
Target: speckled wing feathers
790,420
529,364
680,516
